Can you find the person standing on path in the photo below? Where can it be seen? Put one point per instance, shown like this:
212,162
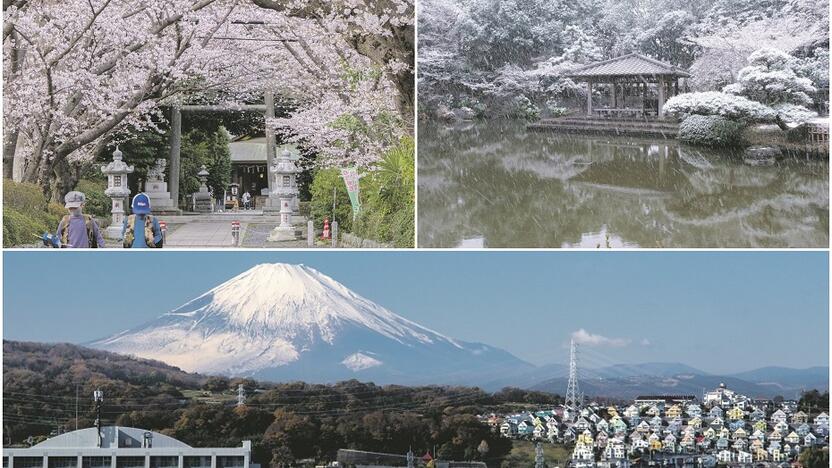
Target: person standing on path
246,200
150,234
78,230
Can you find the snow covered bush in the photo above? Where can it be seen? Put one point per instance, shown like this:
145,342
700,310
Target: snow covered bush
719,104
524,108
794,114
472,103
771,79
554,108
710,130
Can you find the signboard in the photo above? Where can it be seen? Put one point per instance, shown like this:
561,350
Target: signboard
350,175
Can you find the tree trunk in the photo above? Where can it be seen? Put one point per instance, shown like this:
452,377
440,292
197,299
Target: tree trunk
9,146
782,124
64,178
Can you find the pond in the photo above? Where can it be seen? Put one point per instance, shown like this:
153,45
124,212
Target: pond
494,184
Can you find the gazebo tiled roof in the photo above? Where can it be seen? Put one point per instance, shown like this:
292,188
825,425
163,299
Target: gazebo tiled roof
628,65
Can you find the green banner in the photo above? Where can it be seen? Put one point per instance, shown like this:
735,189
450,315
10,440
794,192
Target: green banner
350,175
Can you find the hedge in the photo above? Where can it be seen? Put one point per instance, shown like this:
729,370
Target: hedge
710,130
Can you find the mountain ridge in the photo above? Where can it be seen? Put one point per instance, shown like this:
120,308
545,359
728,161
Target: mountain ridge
278,321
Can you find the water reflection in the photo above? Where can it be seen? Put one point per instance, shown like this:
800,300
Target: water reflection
494,184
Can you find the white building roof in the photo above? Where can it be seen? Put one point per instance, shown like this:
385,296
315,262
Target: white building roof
113,437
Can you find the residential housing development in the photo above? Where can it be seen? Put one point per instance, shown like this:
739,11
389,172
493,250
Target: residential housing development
723,427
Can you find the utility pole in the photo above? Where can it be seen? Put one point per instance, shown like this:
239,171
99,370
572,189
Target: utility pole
573,401
76,406
98,396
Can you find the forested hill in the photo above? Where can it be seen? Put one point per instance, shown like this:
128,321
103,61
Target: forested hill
59,363
285,421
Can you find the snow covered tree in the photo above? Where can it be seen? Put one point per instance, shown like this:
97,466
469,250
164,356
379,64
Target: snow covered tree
770,78
667,39
732,29
719,104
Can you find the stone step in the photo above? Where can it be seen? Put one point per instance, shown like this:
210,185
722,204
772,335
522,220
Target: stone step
613,130
615,119
611,123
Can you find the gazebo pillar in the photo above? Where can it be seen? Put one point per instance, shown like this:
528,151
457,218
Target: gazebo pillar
614,94
589,98
661,84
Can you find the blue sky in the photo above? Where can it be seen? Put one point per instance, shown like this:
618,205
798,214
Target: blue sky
717,311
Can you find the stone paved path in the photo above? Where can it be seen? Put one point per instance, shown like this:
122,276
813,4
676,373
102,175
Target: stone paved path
201,234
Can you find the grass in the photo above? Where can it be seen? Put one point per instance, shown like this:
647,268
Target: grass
211,398
555,454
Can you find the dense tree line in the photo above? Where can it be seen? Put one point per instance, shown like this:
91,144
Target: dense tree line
814,402
286,422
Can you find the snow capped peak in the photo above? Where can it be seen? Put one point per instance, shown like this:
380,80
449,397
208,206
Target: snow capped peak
297,300
283,320
360,361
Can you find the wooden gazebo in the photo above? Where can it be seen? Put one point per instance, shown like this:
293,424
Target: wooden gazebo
630,76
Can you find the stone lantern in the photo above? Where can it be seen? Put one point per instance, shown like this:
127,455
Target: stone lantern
116,172
284,175
202,198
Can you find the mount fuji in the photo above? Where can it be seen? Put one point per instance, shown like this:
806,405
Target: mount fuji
290,322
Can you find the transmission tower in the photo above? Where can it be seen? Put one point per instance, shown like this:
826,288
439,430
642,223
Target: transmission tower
539,461
573,400
241,395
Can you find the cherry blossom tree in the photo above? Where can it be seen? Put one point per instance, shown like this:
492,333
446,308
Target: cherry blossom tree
81,72
381,30
76,71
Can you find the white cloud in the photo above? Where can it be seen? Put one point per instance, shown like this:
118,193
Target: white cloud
586,338
645,342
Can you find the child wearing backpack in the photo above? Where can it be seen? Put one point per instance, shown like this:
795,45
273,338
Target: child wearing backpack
150,234
78,230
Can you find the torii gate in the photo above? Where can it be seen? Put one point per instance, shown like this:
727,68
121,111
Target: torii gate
176,140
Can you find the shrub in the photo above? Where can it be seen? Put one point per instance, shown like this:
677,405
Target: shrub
554,109
23,196
323,184
387,199
387,214
524,108
719,104
20,229
793,113
26,213
97,203
474,104
710,130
